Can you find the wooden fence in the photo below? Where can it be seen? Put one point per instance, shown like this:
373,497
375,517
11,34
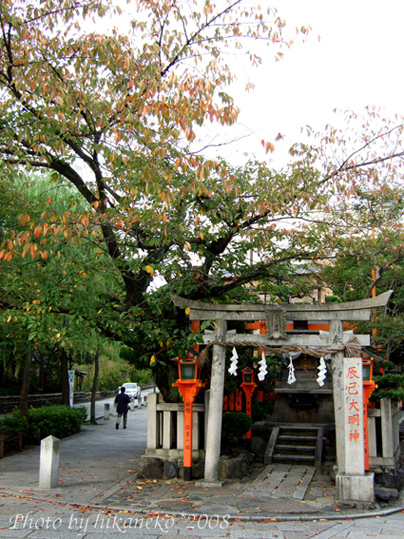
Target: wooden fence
165,428
8,403
383,431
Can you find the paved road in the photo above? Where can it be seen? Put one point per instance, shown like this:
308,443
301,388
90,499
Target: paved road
100,404
100,496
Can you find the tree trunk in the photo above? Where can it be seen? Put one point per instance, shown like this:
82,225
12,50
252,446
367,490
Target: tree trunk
94,386
26,378
64,376
164,376
41,381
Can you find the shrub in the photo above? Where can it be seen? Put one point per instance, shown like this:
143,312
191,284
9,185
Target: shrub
56,420
389,386
235,425
14,424
260,410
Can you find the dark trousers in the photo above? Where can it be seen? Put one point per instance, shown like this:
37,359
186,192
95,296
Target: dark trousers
125,419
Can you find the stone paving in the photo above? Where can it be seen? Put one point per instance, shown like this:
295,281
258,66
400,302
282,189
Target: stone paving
276,489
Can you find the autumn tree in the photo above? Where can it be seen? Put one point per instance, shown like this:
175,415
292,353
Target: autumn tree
370,261
35,338
115,114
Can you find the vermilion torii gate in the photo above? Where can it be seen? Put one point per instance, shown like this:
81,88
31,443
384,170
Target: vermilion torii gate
352,481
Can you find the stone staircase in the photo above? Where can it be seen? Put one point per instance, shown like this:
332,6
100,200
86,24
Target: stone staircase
295,444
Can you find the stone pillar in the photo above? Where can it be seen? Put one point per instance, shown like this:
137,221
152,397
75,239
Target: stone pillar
387,428
180,430
396,428
372,436
338,387
167,429
152,423
352,483
106,410
49,462
195,430
215,412
354,445
206,403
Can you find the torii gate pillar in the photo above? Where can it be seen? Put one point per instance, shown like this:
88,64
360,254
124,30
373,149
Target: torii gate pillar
338,387
215,412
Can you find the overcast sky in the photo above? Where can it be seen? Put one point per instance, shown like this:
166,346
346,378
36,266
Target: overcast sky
358,61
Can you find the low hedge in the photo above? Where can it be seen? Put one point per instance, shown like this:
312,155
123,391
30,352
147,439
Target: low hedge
57,420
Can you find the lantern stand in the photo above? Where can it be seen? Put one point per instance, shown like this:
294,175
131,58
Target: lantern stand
188,385
248,386
368,386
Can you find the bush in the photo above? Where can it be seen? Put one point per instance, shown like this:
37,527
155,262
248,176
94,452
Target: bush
235,425
389,386
14,424
57,420
260,410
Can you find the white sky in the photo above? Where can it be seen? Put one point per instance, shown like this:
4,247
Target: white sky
357,62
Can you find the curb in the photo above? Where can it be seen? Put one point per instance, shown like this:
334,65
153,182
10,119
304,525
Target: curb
321,517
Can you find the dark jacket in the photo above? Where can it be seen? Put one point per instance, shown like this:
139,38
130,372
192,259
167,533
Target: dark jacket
123,401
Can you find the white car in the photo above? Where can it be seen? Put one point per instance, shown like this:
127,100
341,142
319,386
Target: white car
131,389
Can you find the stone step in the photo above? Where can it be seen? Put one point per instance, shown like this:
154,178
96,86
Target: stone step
288,438
293,458
300,426
280,448
295,443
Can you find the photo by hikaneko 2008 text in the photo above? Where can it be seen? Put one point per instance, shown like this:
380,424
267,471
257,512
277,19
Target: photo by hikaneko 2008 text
118,522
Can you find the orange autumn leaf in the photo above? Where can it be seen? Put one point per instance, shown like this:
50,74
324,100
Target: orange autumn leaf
268,146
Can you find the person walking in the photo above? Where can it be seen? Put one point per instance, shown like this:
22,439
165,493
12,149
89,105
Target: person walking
122,400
